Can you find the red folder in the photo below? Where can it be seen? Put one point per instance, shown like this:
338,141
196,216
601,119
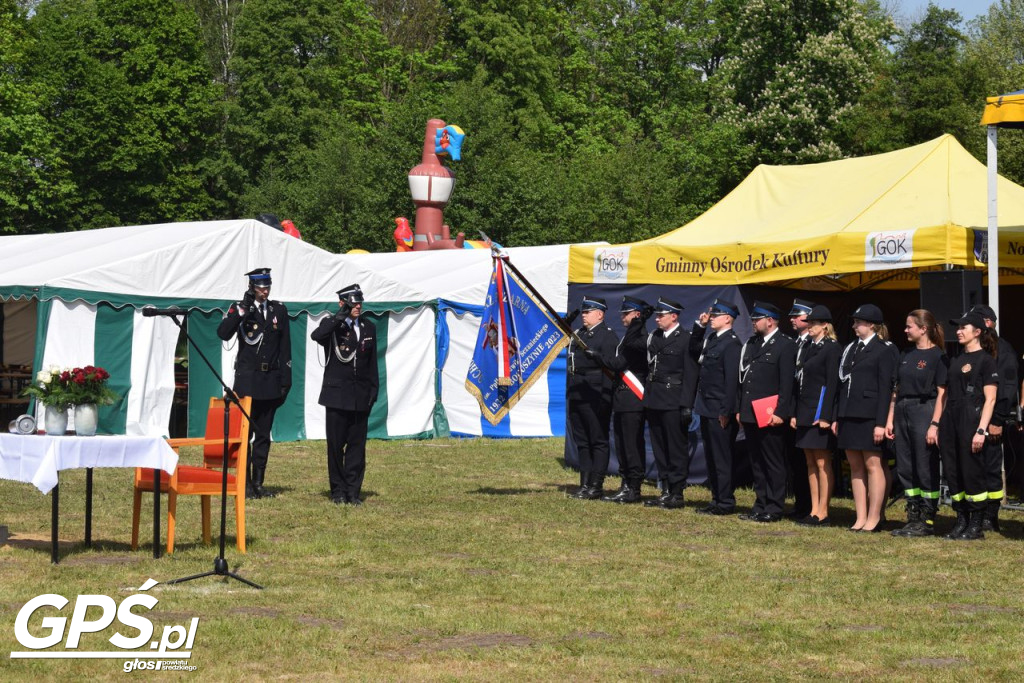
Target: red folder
764,408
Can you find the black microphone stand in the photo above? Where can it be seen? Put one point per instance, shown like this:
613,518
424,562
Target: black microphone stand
220,565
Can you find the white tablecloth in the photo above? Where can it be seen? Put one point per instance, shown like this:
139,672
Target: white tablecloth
36,459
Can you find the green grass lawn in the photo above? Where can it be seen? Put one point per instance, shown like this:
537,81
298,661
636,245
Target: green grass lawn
468,562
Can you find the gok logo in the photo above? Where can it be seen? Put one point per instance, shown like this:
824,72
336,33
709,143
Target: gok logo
611,265
174,644
886,250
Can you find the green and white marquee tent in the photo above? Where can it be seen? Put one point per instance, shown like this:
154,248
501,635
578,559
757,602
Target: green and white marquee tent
76,298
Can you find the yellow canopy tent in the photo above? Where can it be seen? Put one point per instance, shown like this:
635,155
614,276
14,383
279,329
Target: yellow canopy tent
868,221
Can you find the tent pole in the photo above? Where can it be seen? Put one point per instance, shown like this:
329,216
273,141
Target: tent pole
993,221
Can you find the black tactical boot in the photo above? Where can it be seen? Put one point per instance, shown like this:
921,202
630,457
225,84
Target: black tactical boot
991,520
973,531
961,521
926,527
913,519
658,502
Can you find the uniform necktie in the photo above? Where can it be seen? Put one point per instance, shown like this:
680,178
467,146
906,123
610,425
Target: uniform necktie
263,310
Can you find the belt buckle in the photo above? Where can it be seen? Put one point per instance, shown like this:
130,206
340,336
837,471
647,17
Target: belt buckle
264,367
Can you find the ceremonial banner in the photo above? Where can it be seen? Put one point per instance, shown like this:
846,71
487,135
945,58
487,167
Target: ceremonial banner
517,341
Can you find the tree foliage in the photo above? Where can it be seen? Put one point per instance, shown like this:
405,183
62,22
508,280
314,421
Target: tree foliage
613,120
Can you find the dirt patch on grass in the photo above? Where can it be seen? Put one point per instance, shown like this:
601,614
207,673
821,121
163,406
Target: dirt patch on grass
961,608
937,662
865,628
267,612
316,622
468,641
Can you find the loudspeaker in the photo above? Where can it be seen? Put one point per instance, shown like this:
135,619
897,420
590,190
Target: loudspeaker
949,294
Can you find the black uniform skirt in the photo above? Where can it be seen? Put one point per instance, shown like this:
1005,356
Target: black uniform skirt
815,437
857,434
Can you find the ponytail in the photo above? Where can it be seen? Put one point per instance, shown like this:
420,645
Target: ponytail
924,318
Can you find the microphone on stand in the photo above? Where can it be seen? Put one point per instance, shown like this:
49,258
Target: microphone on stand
152,311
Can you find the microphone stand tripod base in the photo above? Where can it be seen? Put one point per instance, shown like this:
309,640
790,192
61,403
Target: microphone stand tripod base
220,568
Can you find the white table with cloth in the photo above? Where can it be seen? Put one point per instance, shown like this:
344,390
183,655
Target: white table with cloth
37,459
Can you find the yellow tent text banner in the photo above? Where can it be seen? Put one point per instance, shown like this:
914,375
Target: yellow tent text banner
831,257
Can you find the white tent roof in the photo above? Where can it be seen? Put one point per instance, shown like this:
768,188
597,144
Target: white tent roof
208,260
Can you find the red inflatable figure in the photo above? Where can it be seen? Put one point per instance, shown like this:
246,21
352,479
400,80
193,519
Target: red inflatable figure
431,184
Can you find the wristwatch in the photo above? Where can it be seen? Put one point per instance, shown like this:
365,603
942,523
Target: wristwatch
981,432
934,423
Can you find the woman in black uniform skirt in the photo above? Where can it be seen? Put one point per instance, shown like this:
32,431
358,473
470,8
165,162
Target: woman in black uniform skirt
913,426
970,459
817,375
866,372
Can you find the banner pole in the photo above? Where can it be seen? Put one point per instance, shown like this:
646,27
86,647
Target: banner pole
551,311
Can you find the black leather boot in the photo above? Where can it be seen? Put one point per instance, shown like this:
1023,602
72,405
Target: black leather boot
973,532
991,520
961,521
659,501
675,498
257,483
584,489
615,497
596,488
629,493
250,484
913,519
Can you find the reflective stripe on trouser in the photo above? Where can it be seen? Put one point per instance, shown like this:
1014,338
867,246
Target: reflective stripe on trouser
968,474
917,463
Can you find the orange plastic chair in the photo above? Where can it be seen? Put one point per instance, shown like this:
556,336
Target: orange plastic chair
204,480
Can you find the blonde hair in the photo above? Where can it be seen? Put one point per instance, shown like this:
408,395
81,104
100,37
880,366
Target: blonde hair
830,332
881,330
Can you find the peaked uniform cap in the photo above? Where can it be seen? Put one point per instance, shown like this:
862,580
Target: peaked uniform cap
765,310
259,277
352,294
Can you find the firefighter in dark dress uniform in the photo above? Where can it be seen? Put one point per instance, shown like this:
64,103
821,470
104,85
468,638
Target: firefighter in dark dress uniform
349,390
717,349
263,367
867,370
795,460
627,407
1007,400
668,401
767,368
589,395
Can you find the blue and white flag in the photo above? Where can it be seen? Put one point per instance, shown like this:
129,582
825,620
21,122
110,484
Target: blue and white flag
517,341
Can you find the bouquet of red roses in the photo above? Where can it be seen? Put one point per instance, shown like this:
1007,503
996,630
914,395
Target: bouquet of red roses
89,385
